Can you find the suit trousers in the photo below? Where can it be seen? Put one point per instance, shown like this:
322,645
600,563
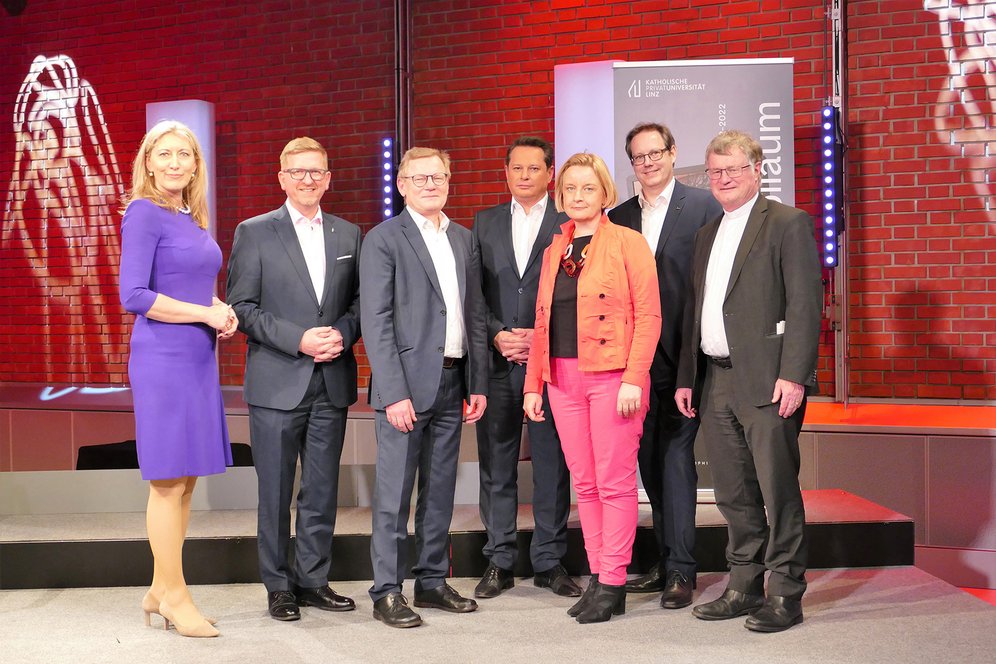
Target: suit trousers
601,448
432,449
499,435
754,457
667,467
313,431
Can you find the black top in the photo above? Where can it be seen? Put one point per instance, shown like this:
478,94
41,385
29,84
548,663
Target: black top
564,307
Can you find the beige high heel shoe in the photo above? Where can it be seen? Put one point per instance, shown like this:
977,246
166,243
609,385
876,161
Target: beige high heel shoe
203,629
150,605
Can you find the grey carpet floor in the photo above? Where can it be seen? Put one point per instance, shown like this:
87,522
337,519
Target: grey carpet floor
882,615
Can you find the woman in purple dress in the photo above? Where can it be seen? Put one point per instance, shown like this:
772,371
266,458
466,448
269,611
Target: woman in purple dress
169,266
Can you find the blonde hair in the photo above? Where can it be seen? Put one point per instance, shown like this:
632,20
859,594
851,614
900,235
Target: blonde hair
595,163
422,153
143,185
734,138
302,144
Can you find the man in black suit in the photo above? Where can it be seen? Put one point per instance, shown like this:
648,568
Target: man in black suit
293,280
748,359
510,239
668,214
424,334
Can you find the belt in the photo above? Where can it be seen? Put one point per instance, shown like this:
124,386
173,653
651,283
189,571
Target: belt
721,362
450,362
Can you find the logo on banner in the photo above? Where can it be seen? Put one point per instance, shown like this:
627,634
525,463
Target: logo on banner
636,89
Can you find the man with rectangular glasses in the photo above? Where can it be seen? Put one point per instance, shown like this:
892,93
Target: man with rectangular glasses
748,360
293,279
668,213
424,333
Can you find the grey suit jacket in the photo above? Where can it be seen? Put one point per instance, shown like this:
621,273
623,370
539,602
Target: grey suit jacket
509,298
688,210
271,291
776,277
404,315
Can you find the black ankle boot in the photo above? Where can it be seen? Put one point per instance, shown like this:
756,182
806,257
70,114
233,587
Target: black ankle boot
586,596
608,601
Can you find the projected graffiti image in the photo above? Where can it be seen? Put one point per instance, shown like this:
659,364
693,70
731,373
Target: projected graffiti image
964,113
59,243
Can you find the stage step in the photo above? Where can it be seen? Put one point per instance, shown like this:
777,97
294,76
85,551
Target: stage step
110,549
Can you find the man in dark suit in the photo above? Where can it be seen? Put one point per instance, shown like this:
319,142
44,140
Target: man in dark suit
293,280
668,214
424,335
510,239
748,359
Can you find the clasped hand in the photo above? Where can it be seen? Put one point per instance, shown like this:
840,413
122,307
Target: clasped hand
322,343
514,344
222,318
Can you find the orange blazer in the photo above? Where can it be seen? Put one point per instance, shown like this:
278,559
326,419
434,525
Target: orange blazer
619,305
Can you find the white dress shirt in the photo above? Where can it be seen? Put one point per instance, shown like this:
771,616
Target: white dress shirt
525,229
312,238
441,253
653,213
724,251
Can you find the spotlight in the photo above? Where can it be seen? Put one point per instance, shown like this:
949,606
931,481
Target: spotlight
832,169
387,165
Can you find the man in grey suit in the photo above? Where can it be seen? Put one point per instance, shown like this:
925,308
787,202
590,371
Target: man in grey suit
748,359
668,214
510,239
424,335
293,279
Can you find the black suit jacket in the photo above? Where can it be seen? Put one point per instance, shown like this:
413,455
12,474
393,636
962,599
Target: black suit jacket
776,276
689,210
510,298
271,291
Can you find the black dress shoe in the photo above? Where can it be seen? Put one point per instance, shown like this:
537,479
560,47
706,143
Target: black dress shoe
393,611
586,596
651,582
283,606
495,581
777,615
324,598
677,591
608,601
732,603
557,580
445,598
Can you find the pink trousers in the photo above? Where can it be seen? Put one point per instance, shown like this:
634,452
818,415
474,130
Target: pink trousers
600,447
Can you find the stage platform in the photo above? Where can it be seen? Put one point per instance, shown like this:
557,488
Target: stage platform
110,549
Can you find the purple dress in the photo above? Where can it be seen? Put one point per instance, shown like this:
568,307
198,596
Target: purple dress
179,414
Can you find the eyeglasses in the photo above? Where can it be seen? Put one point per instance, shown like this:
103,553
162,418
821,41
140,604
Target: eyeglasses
732,171
419,180
573,267
653,155
299,173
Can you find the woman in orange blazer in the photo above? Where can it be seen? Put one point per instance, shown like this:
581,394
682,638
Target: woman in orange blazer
598,320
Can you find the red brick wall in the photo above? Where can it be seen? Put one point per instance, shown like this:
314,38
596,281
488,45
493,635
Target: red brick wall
273,71
922,204
921,238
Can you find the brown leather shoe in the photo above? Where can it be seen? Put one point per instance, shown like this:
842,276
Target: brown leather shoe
494,582
677,591
777,615
558,580
393,611
731,604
